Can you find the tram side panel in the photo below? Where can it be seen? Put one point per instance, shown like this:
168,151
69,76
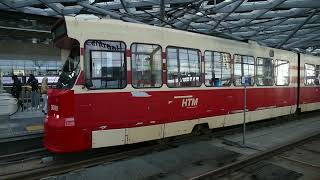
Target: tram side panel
125,116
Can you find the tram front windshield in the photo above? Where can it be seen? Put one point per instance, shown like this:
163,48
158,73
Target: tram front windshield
70,70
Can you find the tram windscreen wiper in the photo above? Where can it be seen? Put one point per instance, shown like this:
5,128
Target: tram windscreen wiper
70,71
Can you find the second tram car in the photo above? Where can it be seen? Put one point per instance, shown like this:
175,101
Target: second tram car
124,83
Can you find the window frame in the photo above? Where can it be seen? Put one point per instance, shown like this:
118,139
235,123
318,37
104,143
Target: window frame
317,65
289,74
204,70
273,69
305,72
199,62
254,70
90,62
161,65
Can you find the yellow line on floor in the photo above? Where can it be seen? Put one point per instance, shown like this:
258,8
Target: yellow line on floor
34,128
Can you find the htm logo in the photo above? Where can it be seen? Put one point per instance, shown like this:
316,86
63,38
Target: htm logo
189,102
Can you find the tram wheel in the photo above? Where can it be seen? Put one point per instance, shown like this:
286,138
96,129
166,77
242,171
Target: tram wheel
201,129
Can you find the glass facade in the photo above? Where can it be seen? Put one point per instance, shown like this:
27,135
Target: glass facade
25,67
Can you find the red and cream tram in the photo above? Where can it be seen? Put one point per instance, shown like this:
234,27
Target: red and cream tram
124,83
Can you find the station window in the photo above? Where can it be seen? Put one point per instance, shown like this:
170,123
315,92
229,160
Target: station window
183,67
317,81
107,64
282,72
264,71
146,65
243,66
309,74
217,68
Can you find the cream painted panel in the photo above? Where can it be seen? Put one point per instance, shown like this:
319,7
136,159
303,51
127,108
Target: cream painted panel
115,137
179,128
310,107
131,32
144,133
233,119
281,111
293,109
214,122
260,114
103,138
286,110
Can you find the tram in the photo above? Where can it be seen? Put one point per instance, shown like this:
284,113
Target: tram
124,83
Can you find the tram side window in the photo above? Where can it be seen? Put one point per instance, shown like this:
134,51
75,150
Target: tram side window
317,81
107,64
183,67
243,66
264,72
309,74
146,65
218,69
282,73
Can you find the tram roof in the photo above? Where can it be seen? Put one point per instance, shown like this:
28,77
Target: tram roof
285,24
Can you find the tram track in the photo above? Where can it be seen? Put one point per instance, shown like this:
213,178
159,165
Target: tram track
70,162
257,158
19,144
22,156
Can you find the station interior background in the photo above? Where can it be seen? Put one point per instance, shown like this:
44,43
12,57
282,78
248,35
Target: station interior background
26,48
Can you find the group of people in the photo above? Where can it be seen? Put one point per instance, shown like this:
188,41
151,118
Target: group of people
33,86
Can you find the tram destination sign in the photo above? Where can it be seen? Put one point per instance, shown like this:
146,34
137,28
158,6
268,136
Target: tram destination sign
105,45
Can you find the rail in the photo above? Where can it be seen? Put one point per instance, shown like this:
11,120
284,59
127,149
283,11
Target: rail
252,159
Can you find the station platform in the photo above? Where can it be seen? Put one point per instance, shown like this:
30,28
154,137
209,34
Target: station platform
21,123
189,160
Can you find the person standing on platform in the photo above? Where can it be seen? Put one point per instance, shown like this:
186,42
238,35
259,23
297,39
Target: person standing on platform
16,90
44,92
33,82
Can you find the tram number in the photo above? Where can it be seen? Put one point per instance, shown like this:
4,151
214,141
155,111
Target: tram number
54,108
189,102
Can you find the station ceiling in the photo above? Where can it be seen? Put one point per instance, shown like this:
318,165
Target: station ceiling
286,24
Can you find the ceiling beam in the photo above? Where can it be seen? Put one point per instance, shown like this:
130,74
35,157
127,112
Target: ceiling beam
227,14
54,6
250,6
193,18
260,13
298,28
124,5
25,29
109,13
302,41
162,10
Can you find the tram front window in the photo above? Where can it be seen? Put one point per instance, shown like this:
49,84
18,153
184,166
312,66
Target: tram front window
70,70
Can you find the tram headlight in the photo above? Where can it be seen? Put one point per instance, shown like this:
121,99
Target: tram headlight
56,116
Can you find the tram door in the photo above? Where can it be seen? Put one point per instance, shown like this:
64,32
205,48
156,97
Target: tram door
148,109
